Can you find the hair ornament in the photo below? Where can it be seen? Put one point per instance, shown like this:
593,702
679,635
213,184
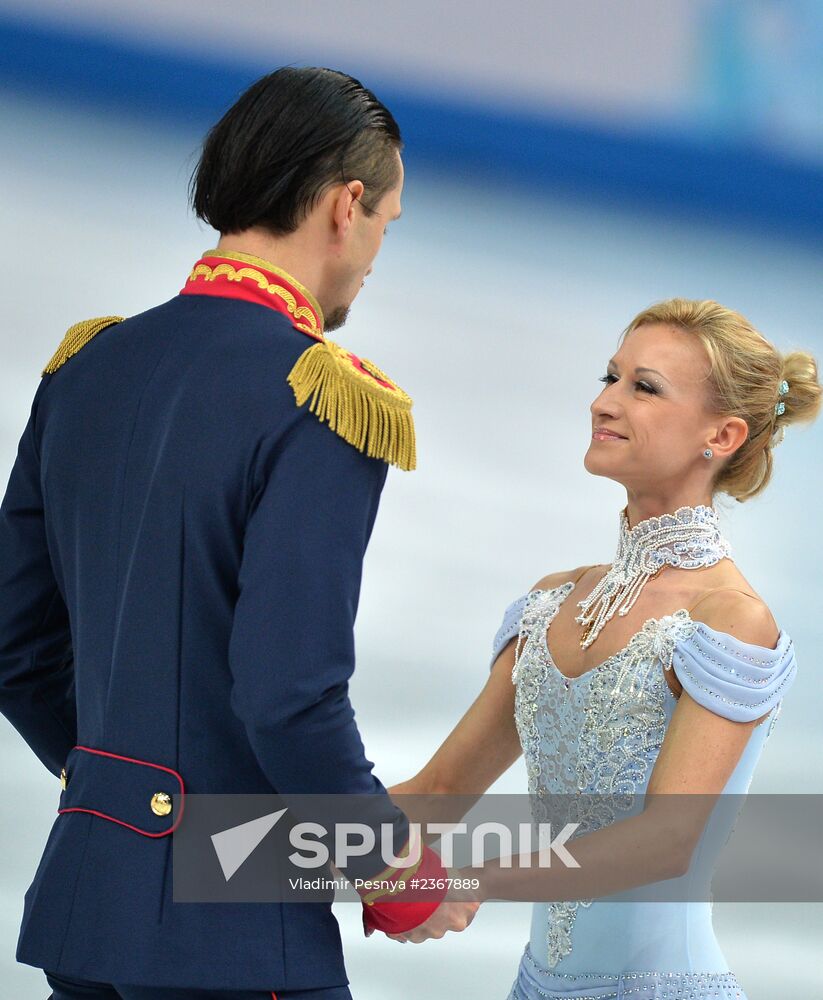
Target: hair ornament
780,406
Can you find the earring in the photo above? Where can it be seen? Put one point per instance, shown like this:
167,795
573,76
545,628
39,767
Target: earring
708,453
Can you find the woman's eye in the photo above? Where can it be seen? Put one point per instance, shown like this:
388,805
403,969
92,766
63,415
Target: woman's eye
639,385
386,231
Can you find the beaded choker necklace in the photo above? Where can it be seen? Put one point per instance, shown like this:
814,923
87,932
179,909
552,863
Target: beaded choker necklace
687,539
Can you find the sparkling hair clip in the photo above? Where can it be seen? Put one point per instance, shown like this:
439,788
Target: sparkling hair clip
780,406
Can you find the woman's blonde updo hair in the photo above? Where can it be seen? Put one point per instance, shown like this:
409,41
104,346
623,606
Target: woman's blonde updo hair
745,377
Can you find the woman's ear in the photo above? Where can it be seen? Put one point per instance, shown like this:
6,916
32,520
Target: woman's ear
729,436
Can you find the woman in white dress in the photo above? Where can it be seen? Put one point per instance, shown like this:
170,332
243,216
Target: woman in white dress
664,674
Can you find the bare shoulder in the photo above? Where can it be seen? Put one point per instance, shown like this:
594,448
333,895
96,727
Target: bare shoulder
745,616
565,576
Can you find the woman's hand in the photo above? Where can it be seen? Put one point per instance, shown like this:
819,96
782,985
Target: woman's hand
455,913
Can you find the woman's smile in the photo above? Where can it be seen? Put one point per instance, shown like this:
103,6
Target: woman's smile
599,434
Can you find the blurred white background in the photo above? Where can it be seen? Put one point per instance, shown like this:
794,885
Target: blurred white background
496,302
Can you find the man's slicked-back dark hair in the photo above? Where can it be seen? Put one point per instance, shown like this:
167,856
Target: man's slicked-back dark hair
285,140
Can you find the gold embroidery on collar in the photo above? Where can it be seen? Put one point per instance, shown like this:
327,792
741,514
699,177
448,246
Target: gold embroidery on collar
248,258
237,274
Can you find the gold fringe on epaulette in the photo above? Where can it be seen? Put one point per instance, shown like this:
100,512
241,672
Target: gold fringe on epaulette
78,336
370,416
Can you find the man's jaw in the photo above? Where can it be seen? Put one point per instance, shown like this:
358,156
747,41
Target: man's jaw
335,318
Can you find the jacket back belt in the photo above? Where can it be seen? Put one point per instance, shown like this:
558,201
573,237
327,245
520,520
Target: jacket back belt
145,797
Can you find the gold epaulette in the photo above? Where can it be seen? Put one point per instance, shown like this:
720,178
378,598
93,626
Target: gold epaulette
78,336
358,401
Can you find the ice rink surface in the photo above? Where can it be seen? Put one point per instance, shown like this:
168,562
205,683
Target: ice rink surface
497,310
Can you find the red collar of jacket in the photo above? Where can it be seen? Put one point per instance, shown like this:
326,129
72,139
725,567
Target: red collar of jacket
235,275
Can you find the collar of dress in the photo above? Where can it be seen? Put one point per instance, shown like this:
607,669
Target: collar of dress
232,274
690,538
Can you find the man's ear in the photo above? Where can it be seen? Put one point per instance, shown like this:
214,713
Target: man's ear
343,208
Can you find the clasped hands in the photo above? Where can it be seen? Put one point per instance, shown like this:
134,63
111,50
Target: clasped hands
455,913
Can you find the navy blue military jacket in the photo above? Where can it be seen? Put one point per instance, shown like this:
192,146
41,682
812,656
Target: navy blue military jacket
181,548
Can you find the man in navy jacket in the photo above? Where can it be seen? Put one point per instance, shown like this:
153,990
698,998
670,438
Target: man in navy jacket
181,545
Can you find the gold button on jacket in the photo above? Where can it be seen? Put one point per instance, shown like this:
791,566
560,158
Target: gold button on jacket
161,803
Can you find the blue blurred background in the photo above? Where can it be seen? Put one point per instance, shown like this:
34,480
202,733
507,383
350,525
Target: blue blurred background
567,164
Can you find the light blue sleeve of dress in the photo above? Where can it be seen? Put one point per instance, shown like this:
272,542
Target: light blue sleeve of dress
510,627
738,680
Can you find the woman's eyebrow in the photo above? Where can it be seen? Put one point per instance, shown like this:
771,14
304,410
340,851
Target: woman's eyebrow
613,364
656,372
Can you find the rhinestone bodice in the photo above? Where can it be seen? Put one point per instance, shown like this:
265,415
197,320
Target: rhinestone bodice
601,732
575,735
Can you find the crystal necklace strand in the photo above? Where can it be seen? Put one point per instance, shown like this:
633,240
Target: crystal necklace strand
688,539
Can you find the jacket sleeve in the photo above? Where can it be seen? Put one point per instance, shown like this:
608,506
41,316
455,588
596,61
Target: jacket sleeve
36,656
291,649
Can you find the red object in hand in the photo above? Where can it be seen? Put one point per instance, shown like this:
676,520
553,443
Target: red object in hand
412,906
